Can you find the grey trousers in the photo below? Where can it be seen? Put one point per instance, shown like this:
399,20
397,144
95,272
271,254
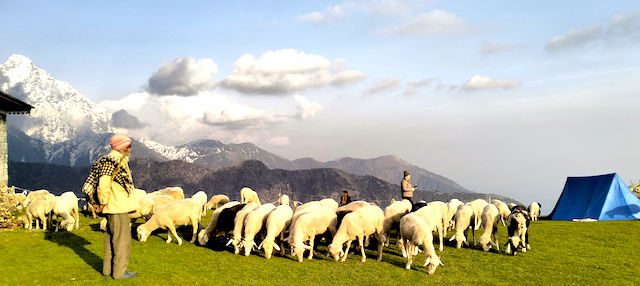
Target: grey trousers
117,245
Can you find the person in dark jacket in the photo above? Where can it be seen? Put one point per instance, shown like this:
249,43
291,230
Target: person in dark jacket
345,199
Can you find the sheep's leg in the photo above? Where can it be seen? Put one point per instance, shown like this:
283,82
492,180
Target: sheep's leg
440,234
361,242
37,223
313,237
402,247
195,223
346,252
380,245
30,218
282,243
44,222
409,250
77,217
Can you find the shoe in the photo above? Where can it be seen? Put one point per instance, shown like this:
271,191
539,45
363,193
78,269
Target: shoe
128,274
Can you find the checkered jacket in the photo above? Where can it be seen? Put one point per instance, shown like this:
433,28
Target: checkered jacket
106,165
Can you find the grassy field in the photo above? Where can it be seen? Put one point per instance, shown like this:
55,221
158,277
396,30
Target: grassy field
563,253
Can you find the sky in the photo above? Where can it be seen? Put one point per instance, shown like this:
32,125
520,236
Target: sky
506,97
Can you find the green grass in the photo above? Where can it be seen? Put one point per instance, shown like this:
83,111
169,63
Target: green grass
563,253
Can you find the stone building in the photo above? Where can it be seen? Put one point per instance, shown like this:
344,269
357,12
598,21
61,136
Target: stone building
8,105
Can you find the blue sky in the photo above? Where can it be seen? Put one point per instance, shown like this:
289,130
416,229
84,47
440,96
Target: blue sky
507,97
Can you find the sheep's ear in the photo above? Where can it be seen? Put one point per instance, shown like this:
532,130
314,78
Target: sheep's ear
275,246
452,237
306,246
260,246
230,241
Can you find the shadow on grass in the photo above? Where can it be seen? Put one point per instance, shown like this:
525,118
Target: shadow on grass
77,244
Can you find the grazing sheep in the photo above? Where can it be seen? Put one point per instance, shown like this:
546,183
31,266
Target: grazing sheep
216,200
238,225
175,192
37,209
415,232
253,224
392,215
35,195
203,236
66,207
352,206
313,221
248,195
452,208
277,221
527,217
18,200
201,198
503,210
146,204
464,217
159,200
516,231
478,206
534,210
444,210
168,216
490,216
432,215
359,224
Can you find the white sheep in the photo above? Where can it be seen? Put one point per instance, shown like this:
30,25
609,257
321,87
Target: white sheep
253,224
432,216
176,192
503,210
35,195
168,216
352,206
203,235
364,221
248,195
478,206
490,216
283,199
238,225
201,198
18,200
464,217
415,232
444,211
452,208
534,210
146,205
37,209
216,201
277,221
66,207
312,221
392,215
159,200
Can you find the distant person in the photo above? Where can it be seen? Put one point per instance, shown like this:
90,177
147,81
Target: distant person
345,199
111,177
407,189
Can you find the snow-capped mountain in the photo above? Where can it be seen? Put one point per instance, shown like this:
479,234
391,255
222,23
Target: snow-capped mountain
61,113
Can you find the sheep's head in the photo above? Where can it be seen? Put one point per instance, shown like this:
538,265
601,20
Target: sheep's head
248,246
268,248
460,239
485,242
299,249
336,251
432,263
142,233
283,200
203,238
68,224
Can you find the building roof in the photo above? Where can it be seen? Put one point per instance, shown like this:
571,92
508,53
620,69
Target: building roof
11,104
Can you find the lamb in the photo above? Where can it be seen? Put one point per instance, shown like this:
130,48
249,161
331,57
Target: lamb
277,221
490,216
313,221
247,195
359,224
464,217
216,201
177,213
516,231
432,215
534,210
37,209
452,208
415,232
253,224
503,210
203,235
66,207
478,206
392,215
238,225
201,198
175,192
35,195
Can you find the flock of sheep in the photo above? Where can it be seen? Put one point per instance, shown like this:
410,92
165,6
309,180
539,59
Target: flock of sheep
274,224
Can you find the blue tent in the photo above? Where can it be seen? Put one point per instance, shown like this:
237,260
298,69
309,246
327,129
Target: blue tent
604,197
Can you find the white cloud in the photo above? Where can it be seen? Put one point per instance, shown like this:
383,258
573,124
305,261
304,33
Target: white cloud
286,71
383,85
435,22
494,48
329,15
478,82
279,141
576,38
183,76
305,107
625,25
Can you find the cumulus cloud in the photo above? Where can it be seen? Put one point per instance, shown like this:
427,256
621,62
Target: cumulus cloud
305,107
329,15
236,117
285,71
123,119
576,38
279,141
183,76
435,22
495,48
383,85
478,82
